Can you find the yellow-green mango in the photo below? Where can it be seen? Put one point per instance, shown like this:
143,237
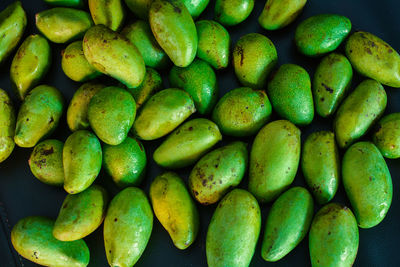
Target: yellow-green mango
358,112
175,209
274,159
218,171
7,126
127,227
187,144
368,184
254,56
232,12
234,230
32,238
140,8
38,115
109,13
387,136
195,7
280,13
66,3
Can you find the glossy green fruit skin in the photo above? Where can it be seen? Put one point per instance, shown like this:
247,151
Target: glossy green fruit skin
195,7
358,112
139,7
63,24
175,209
387,136
46,162
200,81
187,144
234,230
332,80
320,163
287,223
174,30
7,126
254,56
274,159
109,13
32,238
333,237
290,93
279,13
321,34
232,12
368,184
162,113
82,157
242,112
218,171
30,64
126,162
38,115
127,227
66,3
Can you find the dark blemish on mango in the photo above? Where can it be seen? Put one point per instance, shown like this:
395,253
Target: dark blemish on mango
177,10
368,50
51,119
204,182
115,220
46,152
327,88
190,128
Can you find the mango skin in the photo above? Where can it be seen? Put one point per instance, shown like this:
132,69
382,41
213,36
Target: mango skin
38,115
358,112
127,227
32,238
242,112
232,12
287,223
233,231
368,184
200,81
274,159
321,34
254,56
175,209
333,237
109,13
187,144
332,80
280,13
66,3
195,7
139,7
174,30
30,64
218,171
7,126
387,136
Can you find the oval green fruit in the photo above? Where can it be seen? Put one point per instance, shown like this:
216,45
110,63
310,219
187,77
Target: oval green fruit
232,12
7,128
109,13
279,13
66,3
195,7
140,8
387,136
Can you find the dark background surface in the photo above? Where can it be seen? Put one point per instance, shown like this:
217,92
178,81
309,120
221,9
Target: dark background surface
23,195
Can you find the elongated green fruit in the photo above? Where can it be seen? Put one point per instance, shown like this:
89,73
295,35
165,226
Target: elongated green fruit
232,12
109,13
387,136
279,13
7,126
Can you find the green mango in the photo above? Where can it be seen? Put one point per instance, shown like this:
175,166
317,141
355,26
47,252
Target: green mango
218,171
280,13
46,162
126,162
66,3
63,24
140,8
195,7
214,43
32,238
174,30
387,136
374,58
287,223
321,34
332,80
82,158
254,56
7,126
112,54
175,209
233,231
290,93
127,227
200,81
358,112
333,238
109,13
368,184
242,112
274,159
162,113
232,12
38,115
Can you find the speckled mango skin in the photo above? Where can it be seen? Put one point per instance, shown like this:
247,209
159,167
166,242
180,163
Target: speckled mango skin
242,112
333,237
321,34
234,230
254,56
218,171
280,13
109,13
200,81
358,112
232,12
127,227
274,159
66,3
139,7
7,126
151,84
387,136
175,209
287,223
195,7
368,184
174,30
32,238
187,144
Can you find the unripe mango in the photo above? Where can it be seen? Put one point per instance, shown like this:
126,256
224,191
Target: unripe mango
140,8
387,136
195,7
279,13
7,126
232,12
109,13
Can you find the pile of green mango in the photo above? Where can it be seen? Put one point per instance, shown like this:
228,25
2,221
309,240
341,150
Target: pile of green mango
122,105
